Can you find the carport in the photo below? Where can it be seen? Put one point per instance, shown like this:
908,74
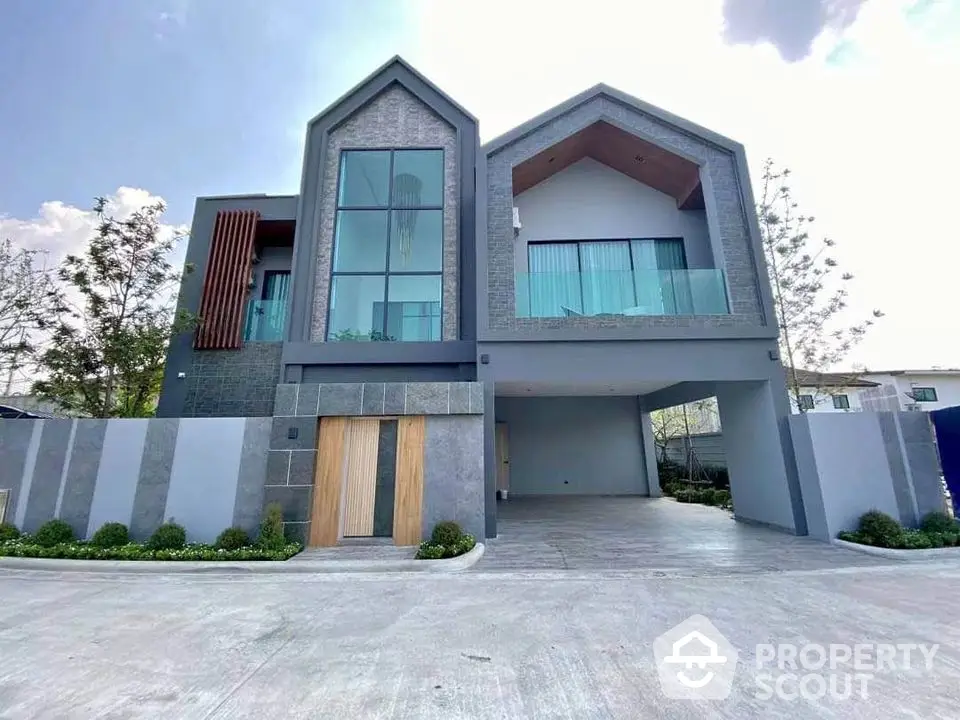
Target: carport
592,533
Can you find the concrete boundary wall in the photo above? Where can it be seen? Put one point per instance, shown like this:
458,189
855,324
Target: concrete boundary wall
850,463
205,473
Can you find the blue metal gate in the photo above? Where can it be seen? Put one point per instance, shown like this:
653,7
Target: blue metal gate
946,423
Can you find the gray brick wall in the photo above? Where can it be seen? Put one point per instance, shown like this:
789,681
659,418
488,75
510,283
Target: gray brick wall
394,119
233,383
734,236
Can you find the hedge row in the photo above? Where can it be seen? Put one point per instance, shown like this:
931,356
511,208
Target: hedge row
56,539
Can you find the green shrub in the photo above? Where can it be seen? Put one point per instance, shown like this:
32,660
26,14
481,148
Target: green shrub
54,532
430,550
669,471
722,498
271,528
168,536
950,539
8,531
877,528
849,536
939,522
232,539
936,539
446,533
112,534
718,477
914,540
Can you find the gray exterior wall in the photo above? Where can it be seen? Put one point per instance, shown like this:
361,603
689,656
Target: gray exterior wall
192,396
393,119
453,473
851,463
232,383
590,201
138,472
574,445
729,212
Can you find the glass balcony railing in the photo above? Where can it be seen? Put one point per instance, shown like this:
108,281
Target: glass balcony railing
627,292
266,320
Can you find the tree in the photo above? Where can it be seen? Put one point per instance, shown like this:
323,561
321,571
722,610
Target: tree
29,304
809,294
107,353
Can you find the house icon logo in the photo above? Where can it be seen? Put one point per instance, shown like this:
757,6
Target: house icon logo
695,661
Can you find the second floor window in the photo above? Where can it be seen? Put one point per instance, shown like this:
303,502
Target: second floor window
387,274
924,394
841,402
806,402
608,276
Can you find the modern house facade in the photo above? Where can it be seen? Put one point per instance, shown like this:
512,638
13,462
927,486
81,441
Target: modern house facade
431,320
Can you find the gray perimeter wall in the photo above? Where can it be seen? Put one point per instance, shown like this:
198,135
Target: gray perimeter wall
206,474
851,463
707,447
574,445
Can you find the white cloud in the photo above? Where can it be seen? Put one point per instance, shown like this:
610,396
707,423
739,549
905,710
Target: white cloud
870,135
61,229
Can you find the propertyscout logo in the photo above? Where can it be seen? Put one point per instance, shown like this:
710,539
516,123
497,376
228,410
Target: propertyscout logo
696,662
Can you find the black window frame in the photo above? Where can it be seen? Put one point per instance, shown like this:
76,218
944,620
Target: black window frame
841,401
389,208
806,402
932,391
629,244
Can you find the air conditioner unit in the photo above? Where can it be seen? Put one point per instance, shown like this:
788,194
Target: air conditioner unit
517,226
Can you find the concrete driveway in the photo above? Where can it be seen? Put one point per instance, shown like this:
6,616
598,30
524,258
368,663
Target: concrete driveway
631,533
550,644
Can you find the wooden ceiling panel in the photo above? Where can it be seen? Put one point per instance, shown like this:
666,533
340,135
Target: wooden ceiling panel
641,160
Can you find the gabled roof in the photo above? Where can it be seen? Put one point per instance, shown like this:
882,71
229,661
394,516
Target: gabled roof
396,69
807,378
599,91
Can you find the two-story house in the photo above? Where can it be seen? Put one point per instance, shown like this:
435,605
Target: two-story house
550,288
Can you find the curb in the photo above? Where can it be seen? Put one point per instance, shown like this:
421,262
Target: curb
165,567
898,554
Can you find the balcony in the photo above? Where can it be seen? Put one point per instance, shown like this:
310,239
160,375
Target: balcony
626,292
265,321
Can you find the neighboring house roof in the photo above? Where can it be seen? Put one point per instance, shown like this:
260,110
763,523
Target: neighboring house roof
602,90
8,412
806,378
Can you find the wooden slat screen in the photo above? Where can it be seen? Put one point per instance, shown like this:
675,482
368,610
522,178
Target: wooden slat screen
225,283
362,438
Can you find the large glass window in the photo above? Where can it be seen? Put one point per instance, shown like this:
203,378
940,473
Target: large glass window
387,271
608,276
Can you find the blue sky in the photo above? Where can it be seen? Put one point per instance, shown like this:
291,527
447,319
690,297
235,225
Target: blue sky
184,99
179,98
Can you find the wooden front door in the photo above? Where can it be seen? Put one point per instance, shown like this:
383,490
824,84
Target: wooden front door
368,480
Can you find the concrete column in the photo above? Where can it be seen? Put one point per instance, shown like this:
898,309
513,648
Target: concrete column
760,456
649,454
489,460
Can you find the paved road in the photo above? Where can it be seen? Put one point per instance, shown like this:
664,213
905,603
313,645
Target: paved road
552,644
